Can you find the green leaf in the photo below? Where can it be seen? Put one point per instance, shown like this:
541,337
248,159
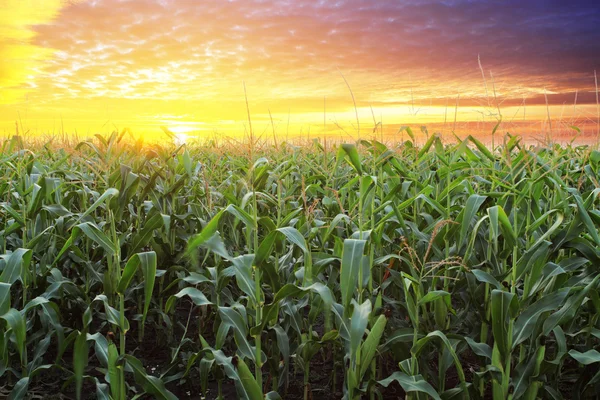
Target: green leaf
242,266
526,371
100,347
426,147
481,349
352,153
369,346
15,262
16,322
227,365
358,324
242,215
262,257
497,214
482,148
216,245
109,193
97,236
265,249
102,390
420,345
484,277
433,295
587,358
197,297
295,237
151,384
473,204
504,305
569,309
19,391
37,196
411,384
589,224
207,232
335,222
112,315
408,131
143,237
527,320
352,258
147,263
240,331
114,372
4,297
553,393
253,391
80,360
289,291
402,335
13,213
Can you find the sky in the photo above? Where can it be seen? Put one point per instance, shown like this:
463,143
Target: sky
308,67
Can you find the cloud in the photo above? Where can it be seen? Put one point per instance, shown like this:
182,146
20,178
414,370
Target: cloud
290,53
22,59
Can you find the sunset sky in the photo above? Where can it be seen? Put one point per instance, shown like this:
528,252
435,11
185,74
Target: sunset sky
93,65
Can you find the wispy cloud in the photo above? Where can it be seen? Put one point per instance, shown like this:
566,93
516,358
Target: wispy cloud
125,57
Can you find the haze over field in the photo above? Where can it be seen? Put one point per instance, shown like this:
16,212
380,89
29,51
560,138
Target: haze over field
92,65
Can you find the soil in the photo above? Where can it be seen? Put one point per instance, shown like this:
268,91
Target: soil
156,357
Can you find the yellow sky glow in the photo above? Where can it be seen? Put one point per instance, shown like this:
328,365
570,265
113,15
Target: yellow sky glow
98,65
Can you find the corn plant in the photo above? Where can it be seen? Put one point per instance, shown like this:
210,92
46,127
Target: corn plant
362,270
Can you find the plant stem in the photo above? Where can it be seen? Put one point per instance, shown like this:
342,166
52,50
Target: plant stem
122,342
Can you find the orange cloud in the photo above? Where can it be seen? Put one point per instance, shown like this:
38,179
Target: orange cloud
183,62
22,59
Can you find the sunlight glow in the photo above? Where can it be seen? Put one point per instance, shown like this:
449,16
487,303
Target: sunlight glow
181,138
92,65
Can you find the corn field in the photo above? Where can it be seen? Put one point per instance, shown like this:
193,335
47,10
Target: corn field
358,271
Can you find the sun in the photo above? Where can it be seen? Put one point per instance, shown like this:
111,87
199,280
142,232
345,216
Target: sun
181,138
181,133
182,128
